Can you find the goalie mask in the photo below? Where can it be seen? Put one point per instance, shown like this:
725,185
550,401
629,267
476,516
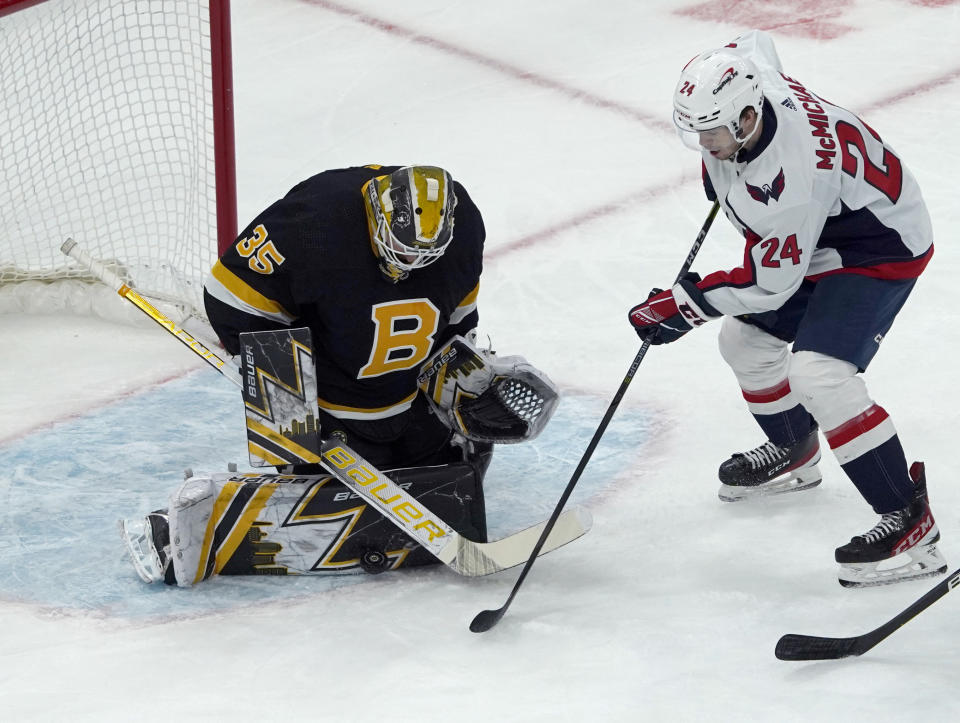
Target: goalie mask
487,398
713,91
410,213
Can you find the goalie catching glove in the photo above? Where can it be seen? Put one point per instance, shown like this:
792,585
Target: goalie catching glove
487,398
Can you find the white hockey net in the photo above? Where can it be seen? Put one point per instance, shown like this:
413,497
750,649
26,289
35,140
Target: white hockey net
108,134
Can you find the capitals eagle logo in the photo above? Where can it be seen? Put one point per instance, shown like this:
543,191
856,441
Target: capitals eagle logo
768,190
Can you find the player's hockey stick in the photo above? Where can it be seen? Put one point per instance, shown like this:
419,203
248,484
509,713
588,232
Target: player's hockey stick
486,619
457,552
811,647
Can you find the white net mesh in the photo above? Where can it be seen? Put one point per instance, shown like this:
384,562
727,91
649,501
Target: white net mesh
106,136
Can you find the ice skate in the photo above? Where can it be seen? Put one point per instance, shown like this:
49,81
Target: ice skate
148,544
771,470
902,546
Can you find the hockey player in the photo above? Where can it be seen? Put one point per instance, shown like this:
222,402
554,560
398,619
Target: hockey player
365,257
383,265
836,235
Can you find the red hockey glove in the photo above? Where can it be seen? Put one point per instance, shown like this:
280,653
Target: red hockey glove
667,315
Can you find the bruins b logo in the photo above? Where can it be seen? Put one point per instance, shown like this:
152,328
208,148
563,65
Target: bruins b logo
403,336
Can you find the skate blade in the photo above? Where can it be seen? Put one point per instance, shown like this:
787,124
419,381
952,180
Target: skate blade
138,549
891,579
922,564
731,493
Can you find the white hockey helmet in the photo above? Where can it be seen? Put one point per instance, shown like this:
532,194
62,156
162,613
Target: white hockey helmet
410,212
713,91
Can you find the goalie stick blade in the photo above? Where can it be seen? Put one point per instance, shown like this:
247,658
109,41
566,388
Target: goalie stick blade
811,647
474,559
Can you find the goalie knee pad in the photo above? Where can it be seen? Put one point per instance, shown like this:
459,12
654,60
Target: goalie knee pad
487,398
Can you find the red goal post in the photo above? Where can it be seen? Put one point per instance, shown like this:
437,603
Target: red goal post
116,129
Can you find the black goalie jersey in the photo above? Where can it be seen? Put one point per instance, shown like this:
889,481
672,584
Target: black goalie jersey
307,260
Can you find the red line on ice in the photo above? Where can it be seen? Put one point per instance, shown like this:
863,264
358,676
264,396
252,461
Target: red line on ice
651,193
504,68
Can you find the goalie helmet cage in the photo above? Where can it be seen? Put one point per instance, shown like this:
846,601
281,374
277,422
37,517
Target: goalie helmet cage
116,129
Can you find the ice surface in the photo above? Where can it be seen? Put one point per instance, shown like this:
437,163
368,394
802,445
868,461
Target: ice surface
555,116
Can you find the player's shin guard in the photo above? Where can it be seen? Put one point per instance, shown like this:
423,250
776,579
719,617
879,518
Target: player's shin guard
901,546
868,449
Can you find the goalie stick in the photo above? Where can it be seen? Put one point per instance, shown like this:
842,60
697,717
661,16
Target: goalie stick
811,647
486,619
457,552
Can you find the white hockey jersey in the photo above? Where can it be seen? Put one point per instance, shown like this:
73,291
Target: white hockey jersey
819,194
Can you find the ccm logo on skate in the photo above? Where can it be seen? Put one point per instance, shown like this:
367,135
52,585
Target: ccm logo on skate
915,535
406,510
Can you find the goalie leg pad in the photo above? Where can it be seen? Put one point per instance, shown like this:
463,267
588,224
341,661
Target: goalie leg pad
487,398
168,544
310,524
313,525
191,510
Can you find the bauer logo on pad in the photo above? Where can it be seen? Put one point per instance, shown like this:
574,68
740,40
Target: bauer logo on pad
280,397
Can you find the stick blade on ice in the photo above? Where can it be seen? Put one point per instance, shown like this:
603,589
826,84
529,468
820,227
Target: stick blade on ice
485,620
811,647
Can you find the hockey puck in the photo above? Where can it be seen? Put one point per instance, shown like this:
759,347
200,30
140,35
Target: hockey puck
374,561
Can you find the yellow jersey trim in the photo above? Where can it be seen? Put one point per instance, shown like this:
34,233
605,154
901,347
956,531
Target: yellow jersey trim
245,293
